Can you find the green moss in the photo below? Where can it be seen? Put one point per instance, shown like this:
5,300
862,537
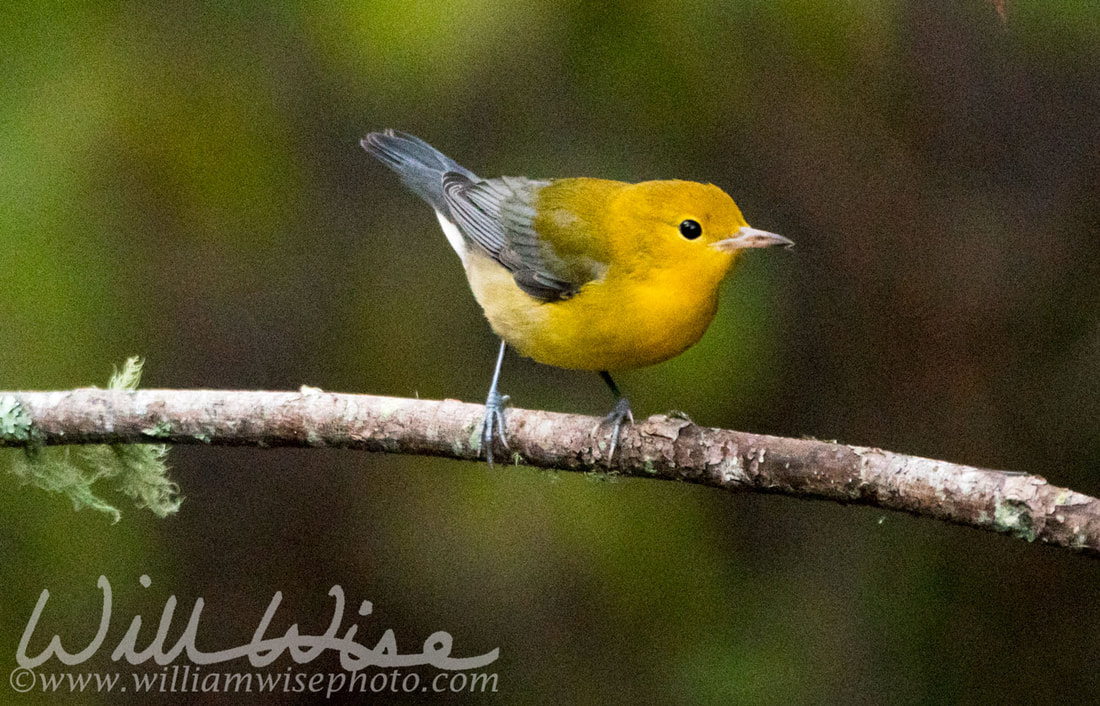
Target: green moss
135,470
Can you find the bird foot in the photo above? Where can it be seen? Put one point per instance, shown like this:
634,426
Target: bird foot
492,425
622,413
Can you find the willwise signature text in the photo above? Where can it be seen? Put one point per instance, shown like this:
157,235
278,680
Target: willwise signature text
261,650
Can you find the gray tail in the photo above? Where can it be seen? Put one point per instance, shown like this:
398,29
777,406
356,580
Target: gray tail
420,166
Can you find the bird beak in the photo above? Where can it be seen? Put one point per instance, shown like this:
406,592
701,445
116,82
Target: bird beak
752,238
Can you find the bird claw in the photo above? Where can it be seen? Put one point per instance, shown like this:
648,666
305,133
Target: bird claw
493,419
621,413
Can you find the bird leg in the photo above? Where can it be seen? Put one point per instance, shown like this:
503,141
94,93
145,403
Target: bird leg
494,412
621,413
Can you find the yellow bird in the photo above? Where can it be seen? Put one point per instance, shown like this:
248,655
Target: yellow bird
588,274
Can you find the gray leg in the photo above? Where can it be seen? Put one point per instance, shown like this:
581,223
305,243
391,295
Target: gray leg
619,414
494,412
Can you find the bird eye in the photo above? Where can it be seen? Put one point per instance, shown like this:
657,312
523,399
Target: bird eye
691,229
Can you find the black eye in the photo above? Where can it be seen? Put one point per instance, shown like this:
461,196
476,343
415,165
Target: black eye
691,229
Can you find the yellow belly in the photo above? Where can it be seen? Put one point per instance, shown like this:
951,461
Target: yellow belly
610,324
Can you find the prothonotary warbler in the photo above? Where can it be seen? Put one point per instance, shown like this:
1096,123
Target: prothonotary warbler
581,273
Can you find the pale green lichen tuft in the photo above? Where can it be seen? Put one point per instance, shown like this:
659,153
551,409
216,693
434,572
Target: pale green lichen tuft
135,470
602,475
1014,517
129,377
160,430
15,423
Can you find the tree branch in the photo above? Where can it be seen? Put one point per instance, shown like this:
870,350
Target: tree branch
662,447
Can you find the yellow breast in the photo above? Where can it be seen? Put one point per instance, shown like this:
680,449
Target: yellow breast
621,321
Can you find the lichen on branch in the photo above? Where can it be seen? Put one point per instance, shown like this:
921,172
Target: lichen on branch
138,471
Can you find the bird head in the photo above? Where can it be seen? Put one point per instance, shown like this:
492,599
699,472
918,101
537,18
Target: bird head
685,225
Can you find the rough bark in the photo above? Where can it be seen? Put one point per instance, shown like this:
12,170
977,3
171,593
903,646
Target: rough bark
661,447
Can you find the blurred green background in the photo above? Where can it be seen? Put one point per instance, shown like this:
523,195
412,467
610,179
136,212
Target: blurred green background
184,182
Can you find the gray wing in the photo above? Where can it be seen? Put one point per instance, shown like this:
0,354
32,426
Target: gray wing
498,215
